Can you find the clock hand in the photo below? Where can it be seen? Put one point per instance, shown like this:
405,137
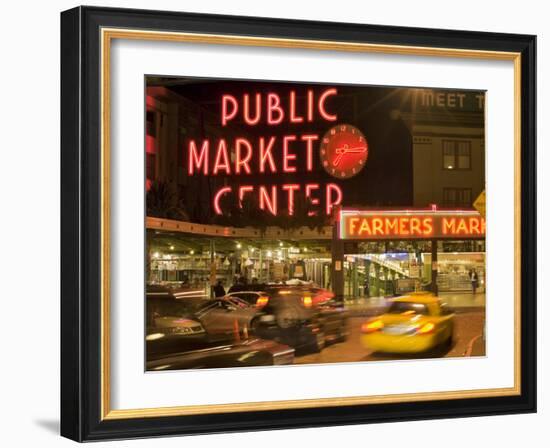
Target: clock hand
347,150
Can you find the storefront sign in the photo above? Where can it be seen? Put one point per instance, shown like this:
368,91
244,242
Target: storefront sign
410,224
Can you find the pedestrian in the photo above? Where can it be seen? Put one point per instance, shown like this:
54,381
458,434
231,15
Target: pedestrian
219,290
474,280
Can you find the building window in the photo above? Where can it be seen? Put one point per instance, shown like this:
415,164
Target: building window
457,155
457,197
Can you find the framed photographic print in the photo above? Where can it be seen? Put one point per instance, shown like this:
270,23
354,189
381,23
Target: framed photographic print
275,224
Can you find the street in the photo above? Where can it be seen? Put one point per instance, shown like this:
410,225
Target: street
468,341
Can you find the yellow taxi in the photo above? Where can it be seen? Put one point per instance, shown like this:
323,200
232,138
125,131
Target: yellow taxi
413,323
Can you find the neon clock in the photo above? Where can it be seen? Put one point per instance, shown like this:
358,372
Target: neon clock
343,151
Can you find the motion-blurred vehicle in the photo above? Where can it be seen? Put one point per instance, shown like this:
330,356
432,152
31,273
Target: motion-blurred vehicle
174,352
414,323
307,303
283,319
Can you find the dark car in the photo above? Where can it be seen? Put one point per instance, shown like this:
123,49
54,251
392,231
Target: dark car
318,304
174,352
171,311
285,320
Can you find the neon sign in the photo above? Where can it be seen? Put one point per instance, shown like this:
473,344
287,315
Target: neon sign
243,156
410,224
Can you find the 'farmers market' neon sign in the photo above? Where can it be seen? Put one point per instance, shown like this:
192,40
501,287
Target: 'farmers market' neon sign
410,224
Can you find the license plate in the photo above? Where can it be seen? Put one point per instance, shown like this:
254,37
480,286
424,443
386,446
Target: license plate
397,329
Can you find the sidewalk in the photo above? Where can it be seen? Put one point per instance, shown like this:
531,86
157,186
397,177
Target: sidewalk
460,302
463,299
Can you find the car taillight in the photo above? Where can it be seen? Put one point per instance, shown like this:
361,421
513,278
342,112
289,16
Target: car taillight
371,327
262,301
307,301
426,328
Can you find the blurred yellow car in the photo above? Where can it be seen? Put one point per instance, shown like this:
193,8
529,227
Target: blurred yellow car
414,323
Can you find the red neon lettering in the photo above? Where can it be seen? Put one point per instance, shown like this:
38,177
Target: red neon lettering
274,105
265,200
266,154
309,139
242,191
293,117
246,111
217,198
195,161
322,110
241,161
288,156
314,201
291,188
331,202
310,105
226,114
222,159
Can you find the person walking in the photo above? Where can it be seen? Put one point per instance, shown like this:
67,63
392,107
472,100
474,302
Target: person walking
474,280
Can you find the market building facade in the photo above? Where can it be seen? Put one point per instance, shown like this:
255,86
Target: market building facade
354,189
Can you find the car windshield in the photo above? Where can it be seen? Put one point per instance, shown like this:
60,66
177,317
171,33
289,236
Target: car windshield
167,306
408,308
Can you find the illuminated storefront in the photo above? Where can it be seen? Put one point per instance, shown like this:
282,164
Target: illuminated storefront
409,245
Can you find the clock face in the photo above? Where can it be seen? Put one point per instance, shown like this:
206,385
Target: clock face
343,151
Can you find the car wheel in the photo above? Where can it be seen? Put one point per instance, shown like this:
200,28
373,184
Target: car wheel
342,332
320,341
449,341
342,335
255,326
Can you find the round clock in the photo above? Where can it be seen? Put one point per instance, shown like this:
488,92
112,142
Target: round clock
343,151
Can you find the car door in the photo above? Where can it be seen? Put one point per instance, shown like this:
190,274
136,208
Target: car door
242,311
216,318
